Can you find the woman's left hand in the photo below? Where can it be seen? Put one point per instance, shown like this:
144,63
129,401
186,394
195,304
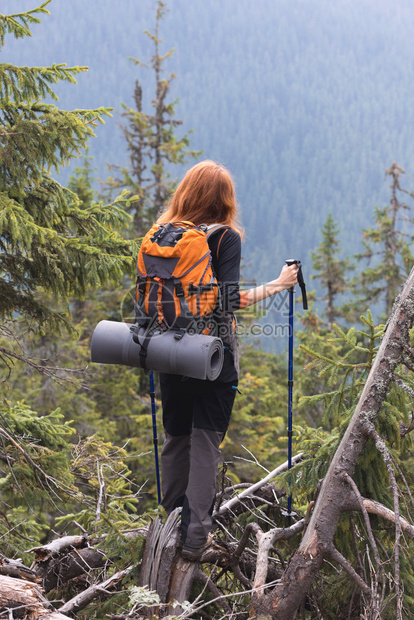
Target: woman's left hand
288,276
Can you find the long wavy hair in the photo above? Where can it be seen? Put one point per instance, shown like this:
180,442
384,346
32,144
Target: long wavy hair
205,195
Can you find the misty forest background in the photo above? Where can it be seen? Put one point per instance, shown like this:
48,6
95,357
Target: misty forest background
308,103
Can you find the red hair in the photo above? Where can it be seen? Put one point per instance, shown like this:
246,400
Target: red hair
205,195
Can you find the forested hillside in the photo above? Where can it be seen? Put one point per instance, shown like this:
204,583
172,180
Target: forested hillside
307,102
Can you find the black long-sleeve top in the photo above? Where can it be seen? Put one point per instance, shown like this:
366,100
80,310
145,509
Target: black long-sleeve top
225,247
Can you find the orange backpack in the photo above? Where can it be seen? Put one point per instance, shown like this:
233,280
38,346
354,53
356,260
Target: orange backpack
176,285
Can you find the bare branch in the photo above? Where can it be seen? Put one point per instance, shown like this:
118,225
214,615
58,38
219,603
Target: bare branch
339,558
383,450
60,570
101,481
202,578
408,350
249,491
366,518
57,546
266,541
14,568
286,598
407,364
401,474
57,373
80,601
251,528
356,548
380,510
404,386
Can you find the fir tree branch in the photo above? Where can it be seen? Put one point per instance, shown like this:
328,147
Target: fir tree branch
18,23
28,458
48,483
57,373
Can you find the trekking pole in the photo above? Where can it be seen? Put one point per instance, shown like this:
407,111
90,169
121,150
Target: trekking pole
154,435
292,261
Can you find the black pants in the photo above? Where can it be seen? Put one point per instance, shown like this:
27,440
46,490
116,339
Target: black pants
196,416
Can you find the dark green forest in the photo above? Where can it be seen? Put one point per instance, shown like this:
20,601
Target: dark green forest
308,104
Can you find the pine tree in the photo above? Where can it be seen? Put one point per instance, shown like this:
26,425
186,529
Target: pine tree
105,400
115,405
330,270
388,248
151,140
50,243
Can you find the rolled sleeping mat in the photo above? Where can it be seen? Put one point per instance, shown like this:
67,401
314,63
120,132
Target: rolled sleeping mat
193,355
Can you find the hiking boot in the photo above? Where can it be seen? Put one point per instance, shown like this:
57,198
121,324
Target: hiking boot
193,554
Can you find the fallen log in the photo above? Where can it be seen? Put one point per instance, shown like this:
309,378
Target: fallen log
14,568
60,570
24,599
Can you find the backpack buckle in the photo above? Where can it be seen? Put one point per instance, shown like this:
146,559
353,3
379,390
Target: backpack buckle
178,288
179,333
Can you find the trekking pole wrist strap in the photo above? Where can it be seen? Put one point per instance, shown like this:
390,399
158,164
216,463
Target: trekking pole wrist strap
301,281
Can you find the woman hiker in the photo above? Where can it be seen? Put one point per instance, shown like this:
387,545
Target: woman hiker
196,413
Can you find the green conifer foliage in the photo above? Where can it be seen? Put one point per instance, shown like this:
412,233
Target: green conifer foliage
101,399
56,244
47,476
387,250
329,269
49,240
116,405
152,143
259,416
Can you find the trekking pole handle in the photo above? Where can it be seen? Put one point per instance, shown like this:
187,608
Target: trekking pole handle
301,281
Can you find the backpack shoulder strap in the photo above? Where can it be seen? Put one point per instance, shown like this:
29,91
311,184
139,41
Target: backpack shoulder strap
214,228
220,240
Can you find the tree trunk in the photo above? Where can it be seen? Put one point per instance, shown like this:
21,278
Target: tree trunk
283,602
